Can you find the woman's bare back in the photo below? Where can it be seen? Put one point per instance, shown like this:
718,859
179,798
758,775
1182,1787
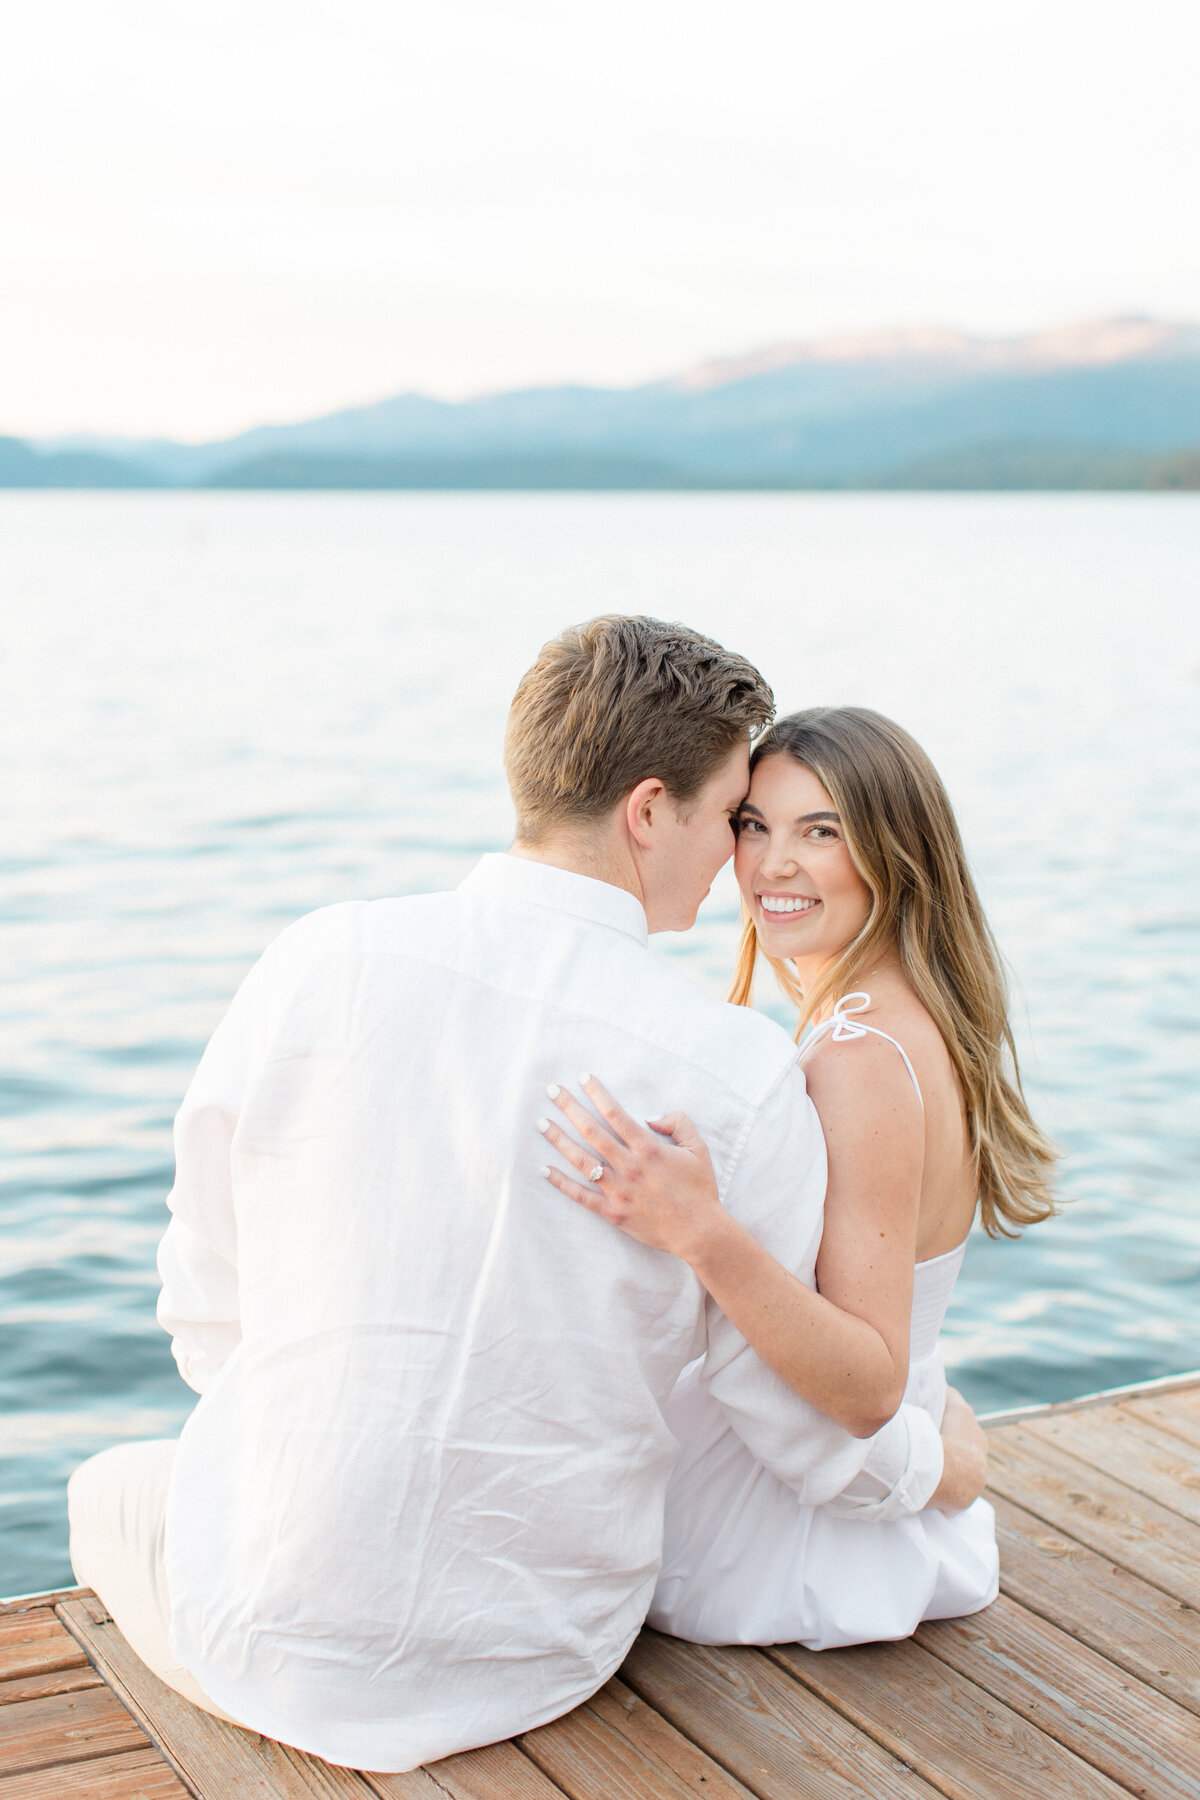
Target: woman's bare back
948,1185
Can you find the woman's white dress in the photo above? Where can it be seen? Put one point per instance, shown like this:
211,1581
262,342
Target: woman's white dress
745,1563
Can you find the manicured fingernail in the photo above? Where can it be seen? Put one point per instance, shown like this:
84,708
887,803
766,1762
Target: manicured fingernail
543,1124
554,1090
583,1080
545,1171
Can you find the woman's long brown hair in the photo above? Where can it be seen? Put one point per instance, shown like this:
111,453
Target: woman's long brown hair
904,840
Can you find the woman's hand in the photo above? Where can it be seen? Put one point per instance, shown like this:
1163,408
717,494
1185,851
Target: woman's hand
655,1182
965,1442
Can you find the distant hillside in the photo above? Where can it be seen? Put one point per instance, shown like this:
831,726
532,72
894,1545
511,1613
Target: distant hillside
23,465
1111,404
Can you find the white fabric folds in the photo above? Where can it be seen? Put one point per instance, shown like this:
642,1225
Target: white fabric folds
745,1561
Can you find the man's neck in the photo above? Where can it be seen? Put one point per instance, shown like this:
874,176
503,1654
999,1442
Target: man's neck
596,855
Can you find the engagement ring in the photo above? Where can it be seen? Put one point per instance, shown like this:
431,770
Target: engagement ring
596,1173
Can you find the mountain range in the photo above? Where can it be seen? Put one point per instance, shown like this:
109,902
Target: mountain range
1112,403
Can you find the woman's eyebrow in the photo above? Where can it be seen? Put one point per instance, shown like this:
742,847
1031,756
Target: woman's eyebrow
804,819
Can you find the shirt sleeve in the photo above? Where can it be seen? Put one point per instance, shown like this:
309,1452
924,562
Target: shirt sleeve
903,1467
777,1191
197,1260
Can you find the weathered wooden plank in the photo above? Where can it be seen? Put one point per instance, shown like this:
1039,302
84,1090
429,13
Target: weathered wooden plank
210,1756
417,1785
38,1622
616,1747
34,1643
962,1741
1178,1413
1148,1539
1146,1632
57,1681
326,1781
24,1603
775,1736
65,1728
137,1775
661,1743
1139,1454
497,1772
1131,1732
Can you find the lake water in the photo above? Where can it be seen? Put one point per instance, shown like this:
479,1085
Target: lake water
217,712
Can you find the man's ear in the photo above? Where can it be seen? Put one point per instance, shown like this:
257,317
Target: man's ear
641,805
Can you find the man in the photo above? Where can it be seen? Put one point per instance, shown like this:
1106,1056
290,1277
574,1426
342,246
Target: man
419,1505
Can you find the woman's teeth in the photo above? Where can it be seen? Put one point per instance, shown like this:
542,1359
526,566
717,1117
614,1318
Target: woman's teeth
774,903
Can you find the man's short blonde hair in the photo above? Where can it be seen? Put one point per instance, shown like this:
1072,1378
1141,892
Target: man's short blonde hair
613,702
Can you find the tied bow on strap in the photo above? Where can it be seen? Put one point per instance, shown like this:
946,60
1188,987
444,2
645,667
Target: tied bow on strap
844,1027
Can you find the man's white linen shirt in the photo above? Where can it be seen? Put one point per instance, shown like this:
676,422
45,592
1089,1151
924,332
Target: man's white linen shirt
419,1505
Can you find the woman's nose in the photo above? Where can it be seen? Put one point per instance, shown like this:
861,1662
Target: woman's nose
778,863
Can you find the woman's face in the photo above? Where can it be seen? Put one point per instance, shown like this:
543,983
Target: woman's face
802,890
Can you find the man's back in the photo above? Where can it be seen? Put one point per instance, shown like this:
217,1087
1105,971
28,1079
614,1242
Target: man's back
420,1503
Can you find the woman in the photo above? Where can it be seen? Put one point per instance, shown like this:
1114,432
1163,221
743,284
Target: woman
857,891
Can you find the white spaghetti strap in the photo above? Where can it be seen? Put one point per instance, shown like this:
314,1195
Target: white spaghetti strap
845,1026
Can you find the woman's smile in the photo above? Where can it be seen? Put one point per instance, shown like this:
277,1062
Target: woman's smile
786,905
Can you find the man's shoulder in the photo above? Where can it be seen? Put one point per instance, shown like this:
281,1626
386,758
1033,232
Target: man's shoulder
360,926
644,993
746,1050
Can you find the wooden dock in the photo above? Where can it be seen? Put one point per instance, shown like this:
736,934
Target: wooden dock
1082,1682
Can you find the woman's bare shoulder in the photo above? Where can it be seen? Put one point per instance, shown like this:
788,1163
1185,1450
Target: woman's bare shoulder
864,1072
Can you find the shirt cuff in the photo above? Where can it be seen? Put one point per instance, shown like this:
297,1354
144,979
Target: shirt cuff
901,1473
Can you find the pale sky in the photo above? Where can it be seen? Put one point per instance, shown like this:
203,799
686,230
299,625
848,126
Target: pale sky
223,212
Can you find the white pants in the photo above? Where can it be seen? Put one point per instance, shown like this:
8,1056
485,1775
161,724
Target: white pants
117,1503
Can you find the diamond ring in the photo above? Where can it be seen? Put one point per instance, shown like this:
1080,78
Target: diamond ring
596,1172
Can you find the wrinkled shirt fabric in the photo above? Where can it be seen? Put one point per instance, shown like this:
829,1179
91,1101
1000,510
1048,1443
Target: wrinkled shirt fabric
419,1505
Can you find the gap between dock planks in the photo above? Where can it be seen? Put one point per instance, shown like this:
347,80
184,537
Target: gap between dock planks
1082,1682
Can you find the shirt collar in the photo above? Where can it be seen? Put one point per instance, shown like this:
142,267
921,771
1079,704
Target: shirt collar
540,884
